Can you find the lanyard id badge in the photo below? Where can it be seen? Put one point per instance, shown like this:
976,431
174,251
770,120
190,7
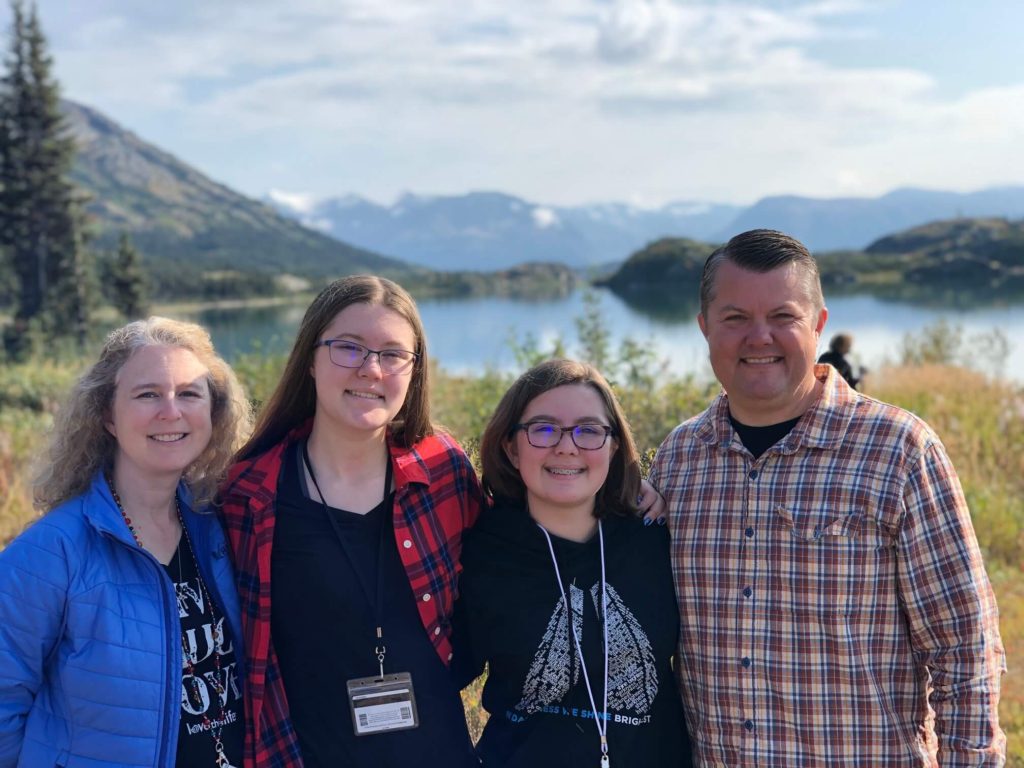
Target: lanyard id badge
383,702
380,704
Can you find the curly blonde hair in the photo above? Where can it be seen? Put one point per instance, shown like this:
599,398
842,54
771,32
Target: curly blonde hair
80,444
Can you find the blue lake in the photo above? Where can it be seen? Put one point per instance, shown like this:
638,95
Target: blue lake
473,334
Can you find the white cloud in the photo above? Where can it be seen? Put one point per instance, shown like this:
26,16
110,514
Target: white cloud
634,29
559,100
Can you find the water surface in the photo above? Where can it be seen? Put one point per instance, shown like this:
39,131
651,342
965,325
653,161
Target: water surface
468,335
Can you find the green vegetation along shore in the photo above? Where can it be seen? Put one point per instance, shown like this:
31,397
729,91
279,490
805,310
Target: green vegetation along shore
981,421
945,262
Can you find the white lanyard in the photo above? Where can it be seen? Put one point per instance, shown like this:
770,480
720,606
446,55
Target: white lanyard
599,718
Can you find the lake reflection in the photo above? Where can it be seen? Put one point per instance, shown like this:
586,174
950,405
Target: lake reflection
472,334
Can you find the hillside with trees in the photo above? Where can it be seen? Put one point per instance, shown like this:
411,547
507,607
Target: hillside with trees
180,218
959,256
90,215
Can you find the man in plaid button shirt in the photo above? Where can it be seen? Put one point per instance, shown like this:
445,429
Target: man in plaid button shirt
834,607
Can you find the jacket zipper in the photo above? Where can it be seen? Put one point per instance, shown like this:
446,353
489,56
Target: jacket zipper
163,739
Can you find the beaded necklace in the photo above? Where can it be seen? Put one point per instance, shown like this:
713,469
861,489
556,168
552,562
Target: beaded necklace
124,515
218,639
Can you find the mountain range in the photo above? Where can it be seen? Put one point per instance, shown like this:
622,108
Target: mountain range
491,230
178,218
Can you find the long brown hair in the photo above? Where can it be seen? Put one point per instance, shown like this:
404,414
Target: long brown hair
80,444
294,399
502,480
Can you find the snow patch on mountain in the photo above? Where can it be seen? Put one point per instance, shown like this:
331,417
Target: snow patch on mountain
545,218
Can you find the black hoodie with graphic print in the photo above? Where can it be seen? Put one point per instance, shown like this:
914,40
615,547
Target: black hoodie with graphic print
511,616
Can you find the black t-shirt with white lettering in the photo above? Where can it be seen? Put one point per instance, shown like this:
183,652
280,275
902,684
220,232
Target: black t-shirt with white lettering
204,638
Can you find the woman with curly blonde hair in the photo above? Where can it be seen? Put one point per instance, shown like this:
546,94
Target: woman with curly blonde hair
119,619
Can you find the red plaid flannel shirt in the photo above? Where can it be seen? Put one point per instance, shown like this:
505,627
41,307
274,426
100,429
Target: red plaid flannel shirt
437,496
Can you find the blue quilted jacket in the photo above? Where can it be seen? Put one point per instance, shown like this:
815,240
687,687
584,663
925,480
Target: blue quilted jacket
90,644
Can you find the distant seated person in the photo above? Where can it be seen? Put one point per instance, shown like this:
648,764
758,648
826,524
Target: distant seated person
838,348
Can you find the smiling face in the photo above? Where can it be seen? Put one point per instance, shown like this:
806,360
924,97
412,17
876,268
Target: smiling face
362,401
160,414
563,479
762,330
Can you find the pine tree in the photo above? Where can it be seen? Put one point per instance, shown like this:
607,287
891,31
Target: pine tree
127,281
76,291
39,217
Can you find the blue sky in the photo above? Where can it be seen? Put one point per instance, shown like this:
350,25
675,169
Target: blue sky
560,101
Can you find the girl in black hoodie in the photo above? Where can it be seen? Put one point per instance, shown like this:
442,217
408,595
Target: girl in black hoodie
565,593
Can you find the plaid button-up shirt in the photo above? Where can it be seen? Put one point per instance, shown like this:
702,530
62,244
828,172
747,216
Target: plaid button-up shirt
834,607
437,496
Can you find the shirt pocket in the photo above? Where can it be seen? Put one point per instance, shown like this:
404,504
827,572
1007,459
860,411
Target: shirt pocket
821,524
830,560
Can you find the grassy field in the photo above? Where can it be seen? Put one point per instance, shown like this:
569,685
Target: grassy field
981,421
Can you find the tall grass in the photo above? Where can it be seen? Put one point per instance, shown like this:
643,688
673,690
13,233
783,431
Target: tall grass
981,423
980,420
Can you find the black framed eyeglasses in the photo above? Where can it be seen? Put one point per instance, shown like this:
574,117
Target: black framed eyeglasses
586,437
349,354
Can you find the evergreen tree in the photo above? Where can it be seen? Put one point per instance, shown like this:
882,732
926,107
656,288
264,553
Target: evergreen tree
76,291
127,281
39,220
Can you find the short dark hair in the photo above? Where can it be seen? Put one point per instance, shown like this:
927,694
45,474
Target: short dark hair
501,479
762,250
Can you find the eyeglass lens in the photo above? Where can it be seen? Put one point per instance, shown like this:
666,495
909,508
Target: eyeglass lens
348,354
589,437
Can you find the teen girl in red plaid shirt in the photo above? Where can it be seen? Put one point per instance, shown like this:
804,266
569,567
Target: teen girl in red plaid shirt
349,425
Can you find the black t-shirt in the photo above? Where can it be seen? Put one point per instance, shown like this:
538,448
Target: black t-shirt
323,631
757,440
512,616
203,637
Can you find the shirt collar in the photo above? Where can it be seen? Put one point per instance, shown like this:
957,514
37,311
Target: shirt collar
409,465
822,426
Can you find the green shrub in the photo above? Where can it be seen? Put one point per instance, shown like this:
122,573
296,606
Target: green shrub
38,385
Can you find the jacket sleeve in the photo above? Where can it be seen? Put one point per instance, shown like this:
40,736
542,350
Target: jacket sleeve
34,581
951,612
